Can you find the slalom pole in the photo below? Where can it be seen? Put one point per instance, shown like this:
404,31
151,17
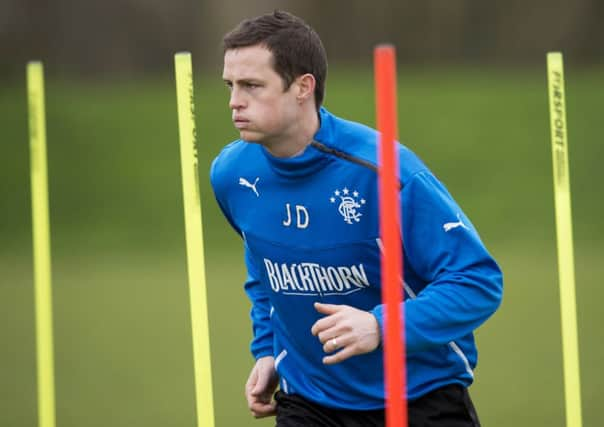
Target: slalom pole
564,233
390,231
41,244
194,240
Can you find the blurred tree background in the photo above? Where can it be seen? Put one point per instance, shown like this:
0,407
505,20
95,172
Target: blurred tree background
472,104
97,38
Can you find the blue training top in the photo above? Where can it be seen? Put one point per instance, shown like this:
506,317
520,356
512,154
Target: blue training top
311,233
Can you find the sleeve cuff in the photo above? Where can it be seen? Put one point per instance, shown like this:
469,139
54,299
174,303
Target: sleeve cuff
378,313
261,351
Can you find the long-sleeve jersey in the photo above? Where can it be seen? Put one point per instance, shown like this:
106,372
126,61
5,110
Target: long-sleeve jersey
310,229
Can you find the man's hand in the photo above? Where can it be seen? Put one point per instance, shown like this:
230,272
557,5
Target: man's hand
260,386
345,328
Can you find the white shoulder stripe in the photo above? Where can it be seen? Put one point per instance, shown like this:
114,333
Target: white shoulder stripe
462,356
279,358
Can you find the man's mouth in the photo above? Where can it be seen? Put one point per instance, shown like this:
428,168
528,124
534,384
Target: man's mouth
240,122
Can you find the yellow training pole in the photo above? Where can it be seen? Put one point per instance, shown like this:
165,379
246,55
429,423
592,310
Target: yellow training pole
41,244
194,238
566,264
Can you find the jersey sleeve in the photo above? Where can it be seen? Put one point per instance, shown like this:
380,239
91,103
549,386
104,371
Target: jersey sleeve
463,282
219,190
262,341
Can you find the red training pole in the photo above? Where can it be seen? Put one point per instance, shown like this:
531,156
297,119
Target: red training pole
390,226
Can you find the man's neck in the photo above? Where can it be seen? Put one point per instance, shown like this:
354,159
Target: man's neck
300,137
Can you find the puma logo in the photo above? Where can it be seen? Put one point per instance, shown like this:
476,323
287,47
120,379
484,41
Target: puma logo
451,225
246,183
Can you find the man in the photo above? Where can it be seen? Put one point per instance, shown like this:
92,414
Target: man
300,187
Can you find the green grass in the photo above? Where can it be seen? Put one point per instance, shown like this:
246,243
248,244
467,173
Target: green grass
123,342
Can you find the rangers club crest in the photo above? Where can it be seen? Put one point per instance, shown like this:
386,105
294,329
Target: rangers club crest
349,204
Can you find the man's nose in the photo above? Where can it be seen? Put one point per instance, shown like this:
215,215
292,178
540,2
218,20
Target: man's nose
236,100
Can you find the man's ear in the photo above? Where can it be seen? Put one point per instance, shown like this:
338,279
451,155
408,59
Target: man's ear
306,87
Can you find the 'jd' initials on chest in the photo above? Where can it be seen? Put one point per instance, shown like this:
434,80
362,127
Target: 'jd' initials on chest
301,213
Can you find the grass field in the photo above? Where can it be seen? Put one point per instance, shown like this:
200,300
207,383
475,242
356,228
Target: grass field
123,346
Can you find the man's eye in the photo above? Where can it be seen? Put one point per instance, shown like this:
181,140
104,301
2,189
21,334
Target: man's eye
252,85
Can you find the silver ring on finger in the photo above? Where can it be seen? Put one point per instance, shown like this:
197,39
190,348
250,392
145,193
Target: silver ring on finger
334,343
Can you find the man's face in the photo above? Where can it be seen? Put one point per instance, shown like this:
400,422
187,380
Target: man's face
262,110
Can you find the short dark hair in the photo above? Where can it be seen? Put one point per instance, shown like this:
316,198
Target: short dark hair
296,47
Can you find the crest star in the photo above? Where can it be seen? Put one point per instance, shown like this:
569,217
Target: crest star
332,200
362,201
345,190
337,192
355,194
